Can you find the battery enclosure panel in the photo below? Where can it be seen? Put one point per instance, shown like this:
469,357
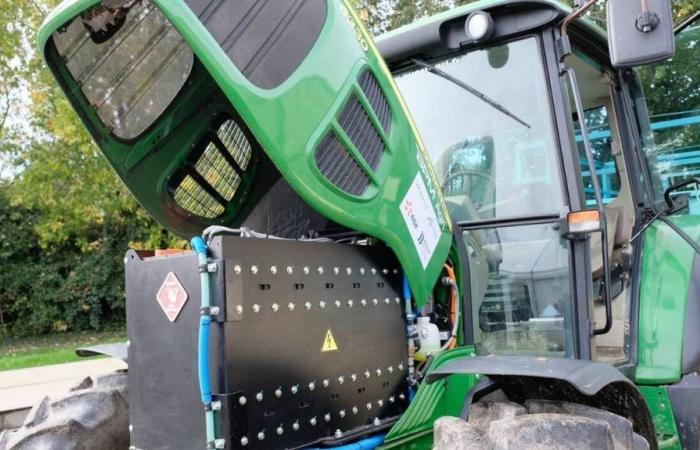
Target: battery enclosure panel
310,345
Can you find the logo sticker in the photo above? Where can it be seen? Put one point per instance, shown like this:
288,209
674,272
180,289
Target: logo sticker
172,296
329,344
418,213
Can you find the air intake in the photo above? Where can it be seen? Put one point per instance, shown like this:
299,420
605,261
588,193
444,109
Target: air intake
375,96
213,172
339,167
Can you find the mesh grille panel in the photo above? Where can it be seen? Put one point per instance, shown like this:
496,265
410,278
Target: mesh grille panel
360,129
371,89
212,176
339,167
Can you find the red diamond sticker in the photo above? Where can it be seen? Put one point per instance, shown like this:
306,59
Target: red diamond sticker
172,296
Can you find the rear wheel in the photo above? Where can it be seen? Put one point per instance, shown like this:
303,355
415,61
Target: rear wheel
93,415
537,424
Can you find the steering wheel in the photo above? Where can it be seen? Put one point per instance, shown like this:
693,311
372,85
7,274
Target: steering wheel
490,183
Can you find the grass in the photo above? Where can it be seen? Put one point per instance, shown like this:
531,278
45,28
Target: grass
51,348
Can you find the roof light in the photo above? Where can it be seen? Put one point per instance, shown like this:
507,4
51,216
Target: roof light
479,25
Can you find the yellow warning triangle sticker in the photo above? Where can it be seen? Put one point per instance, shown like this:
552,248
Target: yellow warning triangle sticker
329,344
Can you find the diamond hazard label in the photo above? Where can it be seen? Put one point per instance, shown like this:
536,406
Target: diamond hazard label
329,344
172,296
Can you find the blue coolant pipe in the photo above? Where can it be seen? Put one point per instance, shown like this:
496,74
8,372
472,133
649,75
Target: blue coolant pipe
200,248
366,444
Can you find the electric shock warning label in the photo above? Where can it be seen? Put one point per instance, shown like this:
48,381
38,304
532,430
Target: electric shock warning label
422,223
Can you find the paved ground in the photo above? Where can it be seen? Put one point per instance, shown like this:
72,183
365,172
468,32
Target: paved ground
21,389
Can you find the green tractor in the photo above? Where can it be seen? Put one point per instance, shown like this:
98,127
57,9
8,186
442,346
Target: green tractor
540,288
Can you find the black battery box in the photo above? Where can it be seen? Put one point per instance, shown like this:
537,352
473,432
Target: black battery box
308,348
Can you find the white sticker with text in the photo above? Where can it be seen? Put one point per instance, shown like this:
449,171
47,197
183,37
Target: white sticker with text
419,214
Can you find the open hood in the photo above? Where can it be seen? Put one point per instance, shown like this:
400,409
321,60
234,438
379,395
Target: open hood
200,106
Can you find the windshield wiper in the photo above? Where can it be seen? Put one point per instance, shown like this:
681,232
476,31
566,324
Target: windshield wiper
493,103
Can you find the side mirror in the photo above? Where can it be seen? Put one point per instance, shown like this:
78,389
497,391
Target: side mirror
640,31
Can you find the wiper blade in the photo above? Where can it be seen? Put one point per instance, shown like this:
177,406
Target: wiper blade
483,97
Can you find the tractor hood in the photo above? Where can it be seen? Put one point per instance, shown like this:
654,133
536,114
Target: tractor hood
200,106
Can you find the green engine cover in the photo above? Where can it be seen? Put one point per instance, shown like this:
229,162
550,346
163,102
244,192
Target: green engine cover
302,82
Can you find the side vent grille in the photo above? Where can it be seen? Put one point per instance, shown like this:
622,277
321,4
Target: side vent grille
338,163
213,172
356,123
339,167
371,89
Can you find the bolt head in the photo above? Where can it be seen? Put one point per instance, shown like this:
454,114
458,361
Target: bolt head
338,434
131,428
321,304
336,270
327,417
237,270
307,306
254,270
350,303
348,271
401,366
385,271
355,410
373,271
273,270
215,310
391,369
320,270
367,374
376,422
295,426
341,380
369,406
397,300
341,413
278,392
353,377
362,270
326,383
290,270
312,386
275,307
280,431
242,400
379,372
375,302
306,270
239,309
259,396
261,436
295,389
387,301
392,399
363,302
290,306
244,441
337,303
256,309
402,396
312,421
380,403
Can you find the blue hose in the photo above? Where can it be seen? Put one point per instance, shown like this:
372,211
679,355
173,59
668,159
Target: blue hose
366,444
200,248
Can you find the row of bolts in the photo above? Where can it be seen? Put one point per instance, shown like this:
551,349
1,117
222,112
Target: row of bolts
307,305
237,269
327,417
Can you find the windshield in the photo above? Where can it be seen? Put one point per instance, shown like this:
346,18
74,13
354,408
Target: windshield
487,124
490,164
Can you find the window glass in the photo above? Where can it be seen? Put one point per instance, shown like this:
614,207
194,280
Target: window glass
521,297
672,92
133,76
490,164
598,123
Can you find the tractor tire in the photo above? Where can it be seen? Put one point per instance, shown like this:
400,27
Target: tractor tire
539,424
93,415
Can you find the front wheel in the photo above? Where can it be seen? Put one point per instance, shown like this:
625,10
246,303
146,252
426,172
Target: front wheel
537,424
93,415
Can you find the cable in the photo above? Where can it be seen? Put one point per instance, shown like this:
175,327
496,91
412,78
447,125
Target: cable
454,308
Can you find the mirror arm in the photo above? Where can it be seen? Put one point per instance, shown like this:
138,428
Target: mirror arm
598,199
